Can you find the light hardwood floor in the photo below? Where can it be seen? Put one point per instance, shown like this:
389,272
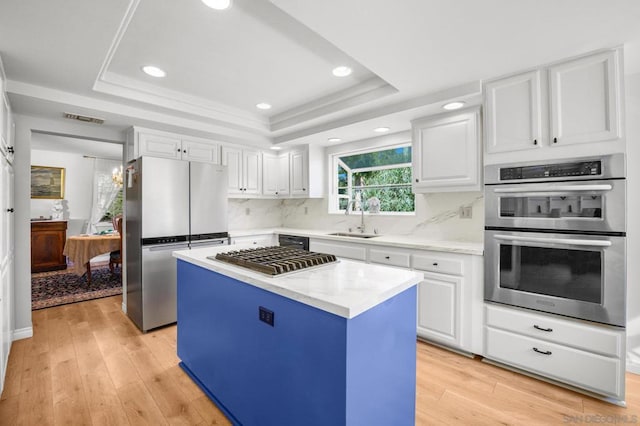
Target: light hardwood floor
88,364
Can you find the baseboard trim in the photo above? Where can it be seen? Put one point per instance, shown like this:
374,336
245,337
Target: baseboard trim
633,367
22,333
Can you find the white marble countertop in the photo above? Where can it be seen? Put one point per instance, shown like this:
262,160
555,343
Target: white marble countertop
345,288
388,240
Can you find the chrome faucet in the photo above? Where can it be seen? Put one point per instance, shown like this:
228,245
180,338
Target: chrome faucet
351,204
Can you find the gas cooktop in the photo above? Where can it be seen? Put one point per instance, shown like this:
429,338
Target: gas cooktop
275,260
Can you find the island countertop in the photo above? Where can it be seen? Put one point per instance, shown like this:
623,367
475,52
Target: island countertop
345,288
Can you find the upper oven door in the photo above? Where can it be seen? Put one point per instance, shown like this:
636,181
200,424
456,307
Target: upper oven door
596,205
581,276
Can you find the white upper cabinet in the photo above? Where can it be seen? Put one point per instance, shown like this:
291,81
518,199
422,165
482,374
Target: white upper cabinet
585,99
446,152
299,172
513,113
155,143
275,179
283,175
573,106
245,170
206,152
270,174
159,146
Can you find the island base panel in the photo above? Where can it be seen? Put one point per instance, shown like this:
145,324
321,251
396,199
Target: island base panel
311,367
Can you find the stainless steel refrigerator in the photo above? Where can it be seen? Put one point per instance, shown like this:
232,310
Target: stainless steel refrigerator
170,205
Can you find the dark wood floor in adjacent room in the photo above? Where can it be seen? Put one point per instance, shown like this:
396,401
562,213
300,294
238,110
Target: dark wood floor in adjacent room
88,364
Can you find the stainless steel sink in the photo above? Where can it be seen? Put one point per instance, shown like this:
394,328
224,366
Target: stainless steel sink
354,235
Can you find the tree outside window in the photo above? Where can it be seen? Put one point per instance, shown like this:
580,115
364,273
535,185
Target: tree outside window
384,173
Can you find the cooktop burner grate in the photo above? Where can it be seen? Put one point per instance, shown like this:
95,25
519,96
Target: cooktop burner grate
275,260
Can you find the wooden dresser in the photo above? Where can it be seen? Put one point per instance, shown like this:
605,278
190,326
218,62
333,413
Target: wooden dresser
48,238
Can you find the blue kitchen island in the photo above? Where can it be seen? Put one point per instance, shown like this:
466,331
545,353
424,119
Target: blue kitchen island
341,350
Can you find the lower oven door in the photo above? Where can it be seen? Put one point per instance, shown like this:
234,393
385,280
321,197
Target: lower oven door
581,276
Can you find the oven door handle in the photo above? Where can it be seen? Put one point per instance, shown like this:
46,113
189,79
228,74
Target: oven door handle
546,189
568,241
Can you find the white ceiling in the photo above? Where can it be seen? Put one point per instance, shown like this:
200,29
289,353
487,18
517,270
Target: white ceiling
408,57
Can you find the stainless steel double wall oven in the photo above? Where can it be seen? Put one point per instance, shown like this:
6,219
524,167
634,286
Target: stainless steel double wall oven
555,237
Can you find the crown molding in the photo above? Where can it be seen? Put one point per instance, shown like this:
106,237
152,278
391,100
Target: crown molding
367,91
464,90
128,88
136,114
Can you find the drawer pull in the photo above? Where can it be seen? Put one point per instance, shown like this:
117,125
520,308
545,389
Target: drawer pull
435,263
542,352
387,257
537,327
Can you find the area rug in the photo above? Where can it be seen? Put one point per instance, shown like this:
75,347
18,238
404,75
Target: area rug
62,287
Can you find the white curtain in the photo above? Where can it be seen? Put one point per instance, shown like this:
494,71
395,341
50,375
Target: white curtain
104,191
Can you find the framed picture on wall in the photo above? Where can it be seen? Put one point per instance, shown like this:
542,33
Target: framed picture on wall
47,182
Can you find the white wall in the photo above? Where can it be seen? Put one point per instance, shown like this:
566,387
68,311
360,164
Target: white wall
78,189
632,94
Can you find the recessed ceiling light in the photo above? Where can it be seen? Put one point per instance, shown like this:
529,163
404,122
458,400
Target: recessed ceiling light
334,140
276,148
218,4
453,105
263,105
154,71
381,129
342,71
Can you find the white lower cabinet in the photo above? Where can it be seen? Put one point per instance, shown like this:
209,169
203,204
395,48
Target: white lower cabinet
585,355
450,299
439,312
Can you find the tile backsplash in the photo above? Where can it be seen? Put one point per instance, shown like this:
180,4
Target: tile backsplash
437,216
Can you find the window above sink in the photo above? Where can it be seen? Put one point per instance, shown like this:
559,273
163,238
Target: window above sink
382,175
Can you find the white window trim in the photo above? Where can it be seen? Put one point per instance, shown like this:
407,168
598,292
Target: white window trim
334,161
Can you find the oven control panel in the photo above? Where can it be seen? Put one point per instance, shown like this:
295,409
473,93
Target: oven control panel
583,168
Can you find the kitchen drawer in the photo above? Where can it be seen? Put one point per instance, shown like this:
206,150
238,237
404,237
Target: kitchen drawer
390,257
435,263
590,371
593,338
338,249
260,240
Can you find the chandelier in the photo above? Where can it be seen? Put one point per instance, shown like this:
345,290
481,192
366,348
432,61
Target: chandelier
116,176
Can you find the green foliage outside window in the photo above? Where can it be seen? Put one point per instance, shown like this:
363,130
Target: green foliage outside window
115,208
385,174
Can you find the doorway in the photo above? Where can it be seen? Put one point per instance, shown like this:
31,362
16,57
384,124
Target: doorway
73,237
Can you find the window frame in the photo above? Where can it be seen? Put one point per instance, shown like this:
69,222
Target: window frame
335,161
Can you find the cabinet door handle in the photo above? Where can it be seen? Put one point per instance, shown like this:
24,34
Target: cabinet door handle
542,352
184,150
304,189
276,192
537,327
535,141
435,263
10,210
179,150
555,140
417,180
